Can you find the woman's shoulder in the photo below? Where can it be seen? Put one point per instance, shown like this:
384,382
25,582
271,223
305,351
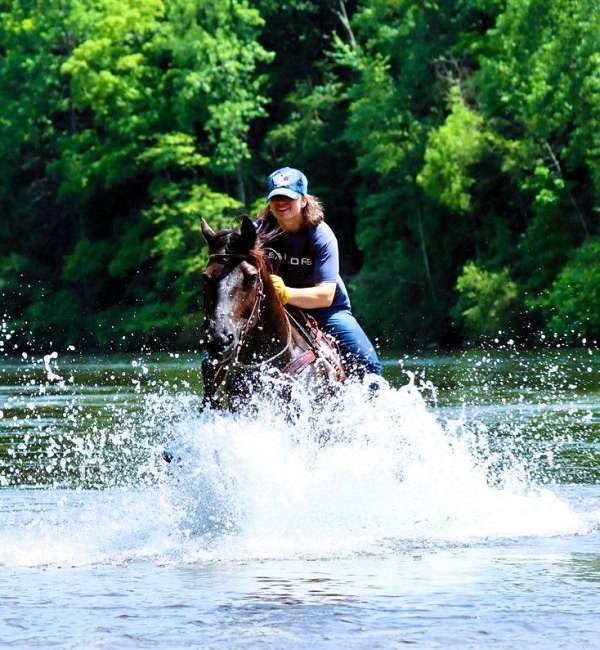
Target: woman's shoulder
321,234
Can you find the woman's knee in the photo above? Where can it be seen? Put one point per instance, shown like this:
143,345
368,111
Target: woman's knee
359,353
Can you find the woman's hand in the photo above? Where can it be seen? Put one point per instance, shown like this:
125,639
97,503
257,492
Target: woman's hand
283,293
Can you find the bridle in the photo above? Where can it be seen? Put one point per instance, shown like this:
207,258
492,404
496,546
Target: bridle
232,360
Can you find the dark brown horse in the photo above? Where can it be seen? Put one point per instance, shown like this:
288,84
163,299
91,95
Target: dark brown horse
250,338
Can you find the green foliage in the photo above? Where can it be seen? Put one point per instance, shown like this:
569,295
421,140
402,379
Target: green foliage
123,123
383,136
87,261
572,305
176,246
33,44
60,316
381,296
487,300
208,91
451,151
455,146
539,91
515,169
172,151
405,64
12,268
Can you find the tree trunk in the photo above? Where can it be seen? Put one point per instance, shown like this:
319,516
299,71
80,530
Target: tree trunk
425,255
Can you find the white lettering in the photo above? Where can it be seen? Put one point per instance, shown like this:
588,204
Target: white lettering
298,261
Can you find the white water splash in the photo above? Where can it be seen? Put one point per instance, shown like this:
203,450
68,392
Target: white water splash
364,475
49,361
390,475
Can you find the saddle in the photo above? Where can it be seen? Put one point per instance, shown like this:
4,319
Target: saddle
320,344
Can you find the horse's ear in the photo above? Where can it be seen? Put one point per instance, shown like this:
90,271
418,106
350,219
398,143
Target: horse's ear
207,231
248,232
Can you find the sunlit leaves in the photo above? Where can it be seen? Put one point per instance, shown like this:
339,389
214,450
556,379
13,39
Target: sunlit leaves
186,67
486,300
173,151
379,130
135,115
451,151
537,87
516,154
436,133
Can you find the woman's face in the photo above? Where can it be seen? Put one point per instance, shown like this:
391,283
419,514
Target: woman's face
288,212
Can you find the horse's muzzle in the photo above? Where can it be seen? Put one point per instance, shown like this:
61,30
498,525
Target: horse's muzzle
220,342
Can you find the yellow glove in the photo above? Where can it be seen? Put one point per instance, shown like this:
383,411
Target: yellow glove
281,290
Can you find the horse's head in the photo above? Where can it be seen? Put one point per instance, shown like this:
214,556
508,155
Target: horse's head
233,287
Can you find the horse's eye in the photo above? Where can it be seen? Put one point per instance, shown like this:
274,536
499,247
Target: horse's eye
250,280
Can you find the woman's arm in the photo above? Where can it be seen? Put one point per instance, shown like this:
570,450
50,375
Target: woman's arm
321,295
326,271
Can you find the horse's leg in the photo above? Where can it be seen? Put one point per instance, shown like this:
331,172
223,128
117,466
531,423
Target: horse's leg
240,388
211,384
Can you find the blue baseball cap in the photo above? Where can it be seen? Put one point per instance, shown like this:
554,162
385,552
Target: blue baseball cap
286,181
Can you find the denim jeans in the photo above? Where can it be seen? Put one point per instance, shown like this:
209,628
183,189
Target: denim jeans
358,353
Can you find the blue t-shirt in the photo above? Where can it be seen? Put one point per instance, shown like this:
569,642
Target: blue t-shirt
309,257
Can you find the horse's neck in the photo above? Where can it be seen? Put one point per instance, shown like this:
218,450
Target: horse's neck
271,334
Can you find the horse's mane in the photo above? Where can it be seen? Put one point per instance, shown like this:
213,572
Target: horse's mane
264,241
259,257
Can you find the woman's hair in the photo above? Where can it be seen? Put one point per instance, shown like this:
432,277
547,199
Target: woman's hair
312,213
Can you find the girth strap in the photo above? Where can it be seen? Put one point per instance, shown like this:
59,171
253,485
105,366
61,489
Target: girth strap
297,365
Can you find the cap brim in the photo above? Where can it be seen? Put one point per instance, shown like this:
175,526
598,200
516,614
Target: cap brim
282,191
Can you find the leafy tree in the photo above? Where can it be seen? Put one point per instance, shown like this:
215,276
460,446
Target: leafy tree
572,305
406,61
145,123
455,146
308,109
505,172
451,151
33,44
487,300
538,91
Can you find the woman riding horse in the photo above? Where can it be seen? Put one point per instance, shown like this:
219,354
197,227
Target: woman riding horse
240,292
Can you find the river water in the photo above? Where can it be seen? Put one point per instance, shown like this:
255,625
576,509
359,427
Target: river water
457,507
